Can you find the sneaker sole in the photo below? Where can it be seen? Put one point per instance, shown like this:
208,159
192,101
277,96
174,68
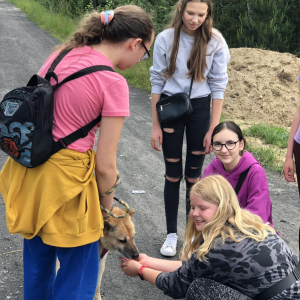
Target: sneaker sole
168,254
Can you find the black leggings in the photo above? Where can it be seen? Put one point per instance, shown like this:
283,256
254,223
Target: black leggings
296,150
196,128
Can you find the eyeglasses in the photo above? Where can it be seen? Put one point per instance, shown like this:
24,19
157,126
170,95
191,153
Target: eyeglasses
147,54
230,145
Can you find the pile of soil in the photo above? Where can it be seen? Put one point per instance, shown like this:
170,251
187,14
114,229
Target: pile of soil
262,87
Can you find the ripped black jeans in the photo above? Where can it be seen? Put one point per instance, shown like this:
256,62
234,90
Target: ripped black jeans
196,128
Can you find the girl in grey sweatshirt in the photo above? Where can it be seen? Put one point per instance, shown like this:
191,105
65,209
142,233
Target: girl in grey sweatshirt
189,51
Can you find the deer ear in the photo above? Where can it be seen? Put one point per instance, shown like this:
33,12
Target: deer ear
109,227
131,212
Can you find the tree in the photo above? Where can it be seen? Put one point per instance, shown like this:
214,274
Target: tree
293,14
226,18
267,27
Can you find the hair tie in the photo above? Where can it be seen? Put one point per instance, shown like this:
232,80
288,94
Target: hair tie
106,16
298,77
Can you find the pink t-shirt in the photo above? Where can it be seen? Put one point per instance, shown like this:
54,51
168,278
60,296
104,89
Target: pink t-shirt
78,102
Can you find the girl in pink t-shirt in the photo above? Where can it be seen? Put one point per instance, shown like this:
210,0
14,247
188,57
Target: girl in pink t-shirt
63,215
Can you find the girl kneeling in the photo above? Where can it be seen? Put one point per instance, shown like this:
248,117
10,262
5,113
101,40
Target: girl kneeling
226,244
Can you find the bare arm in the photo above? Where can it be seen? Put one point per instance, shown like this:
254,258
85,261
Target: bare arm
288,167
106,164
159,264
131,268
215,118
156,135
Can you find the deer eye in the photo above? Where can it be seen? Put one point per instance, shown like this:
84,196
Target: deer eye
123,241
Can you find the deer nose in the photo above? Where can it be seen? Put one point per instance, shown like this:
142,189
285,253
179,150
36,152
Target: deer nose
135,255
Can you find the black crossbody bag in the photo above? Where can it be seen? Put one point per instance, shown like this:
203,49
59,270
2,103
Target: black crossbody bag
174,107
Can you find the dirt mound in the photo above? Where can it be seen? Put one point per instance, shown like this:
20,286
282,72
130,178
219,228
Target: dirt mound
262,87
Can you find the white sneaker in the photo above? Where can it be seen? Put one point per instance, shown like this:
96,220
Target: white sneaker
169,246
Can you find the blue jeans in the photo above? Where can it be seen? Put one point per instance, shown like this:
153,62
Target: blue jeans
76,278
195,128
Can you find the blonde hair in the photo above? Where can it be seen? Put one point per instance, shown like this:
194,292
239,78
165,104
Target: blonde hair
230,220
129,21
197,60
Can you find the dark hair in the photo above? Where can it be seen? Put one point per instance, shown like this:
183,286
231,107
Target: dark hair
232,127
197,60
129,21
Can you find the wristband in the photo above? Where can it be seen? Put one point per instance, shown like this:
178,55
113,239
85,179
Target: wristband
141,272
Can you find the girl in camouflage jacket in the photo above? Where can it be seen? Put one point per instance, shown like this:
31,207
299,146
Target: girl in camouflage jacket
223,243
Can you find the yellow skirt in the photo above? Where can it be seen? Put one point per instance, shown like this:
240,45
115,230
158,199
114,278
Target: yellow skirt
57,200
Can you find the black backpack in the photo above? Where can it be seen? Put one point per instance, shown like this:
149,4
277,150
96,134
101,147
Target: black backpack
26,117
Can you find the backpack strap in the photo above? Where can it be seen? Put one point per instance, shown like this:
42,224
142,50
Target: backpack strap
241,180
56,61
84,72
83,131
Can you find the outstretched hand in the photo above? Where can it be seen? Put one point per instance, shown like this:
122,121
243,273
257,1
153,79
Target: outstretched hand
143,259
129,267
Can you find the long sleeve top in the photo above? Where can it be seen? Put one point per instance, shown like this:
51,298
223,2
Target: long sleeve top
216,72
248,266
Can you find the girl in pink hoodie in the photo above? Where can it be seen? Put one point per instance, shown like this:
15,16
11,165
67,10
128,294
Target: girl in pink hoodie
228,143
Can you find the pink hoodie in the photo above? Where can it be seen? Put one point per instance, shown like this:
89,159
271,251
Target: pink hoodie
254,193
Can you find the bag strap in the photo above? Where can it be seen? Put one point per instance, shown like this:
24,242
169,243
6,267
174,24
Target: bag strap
84,72
56,61
280,286
191,85
241,181
83,131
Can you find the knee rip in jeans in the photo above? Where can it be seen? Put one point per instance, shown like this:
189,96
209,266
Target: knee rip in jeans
169,130
172,179
192,180
173,160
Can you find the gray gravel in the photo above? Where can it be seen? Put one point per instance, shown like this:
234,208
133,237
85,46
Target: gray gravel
24,47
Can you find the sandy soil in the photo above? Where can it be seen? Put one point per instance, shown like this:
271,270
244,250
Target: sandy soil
262,87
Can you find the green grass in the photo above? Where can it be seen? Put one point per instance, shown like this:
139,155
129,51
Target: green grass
269,134
267,157
272,135
58,25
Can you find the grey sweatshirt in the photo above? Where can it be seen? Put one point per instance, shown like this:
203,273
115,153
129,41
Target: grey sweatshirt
216,73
